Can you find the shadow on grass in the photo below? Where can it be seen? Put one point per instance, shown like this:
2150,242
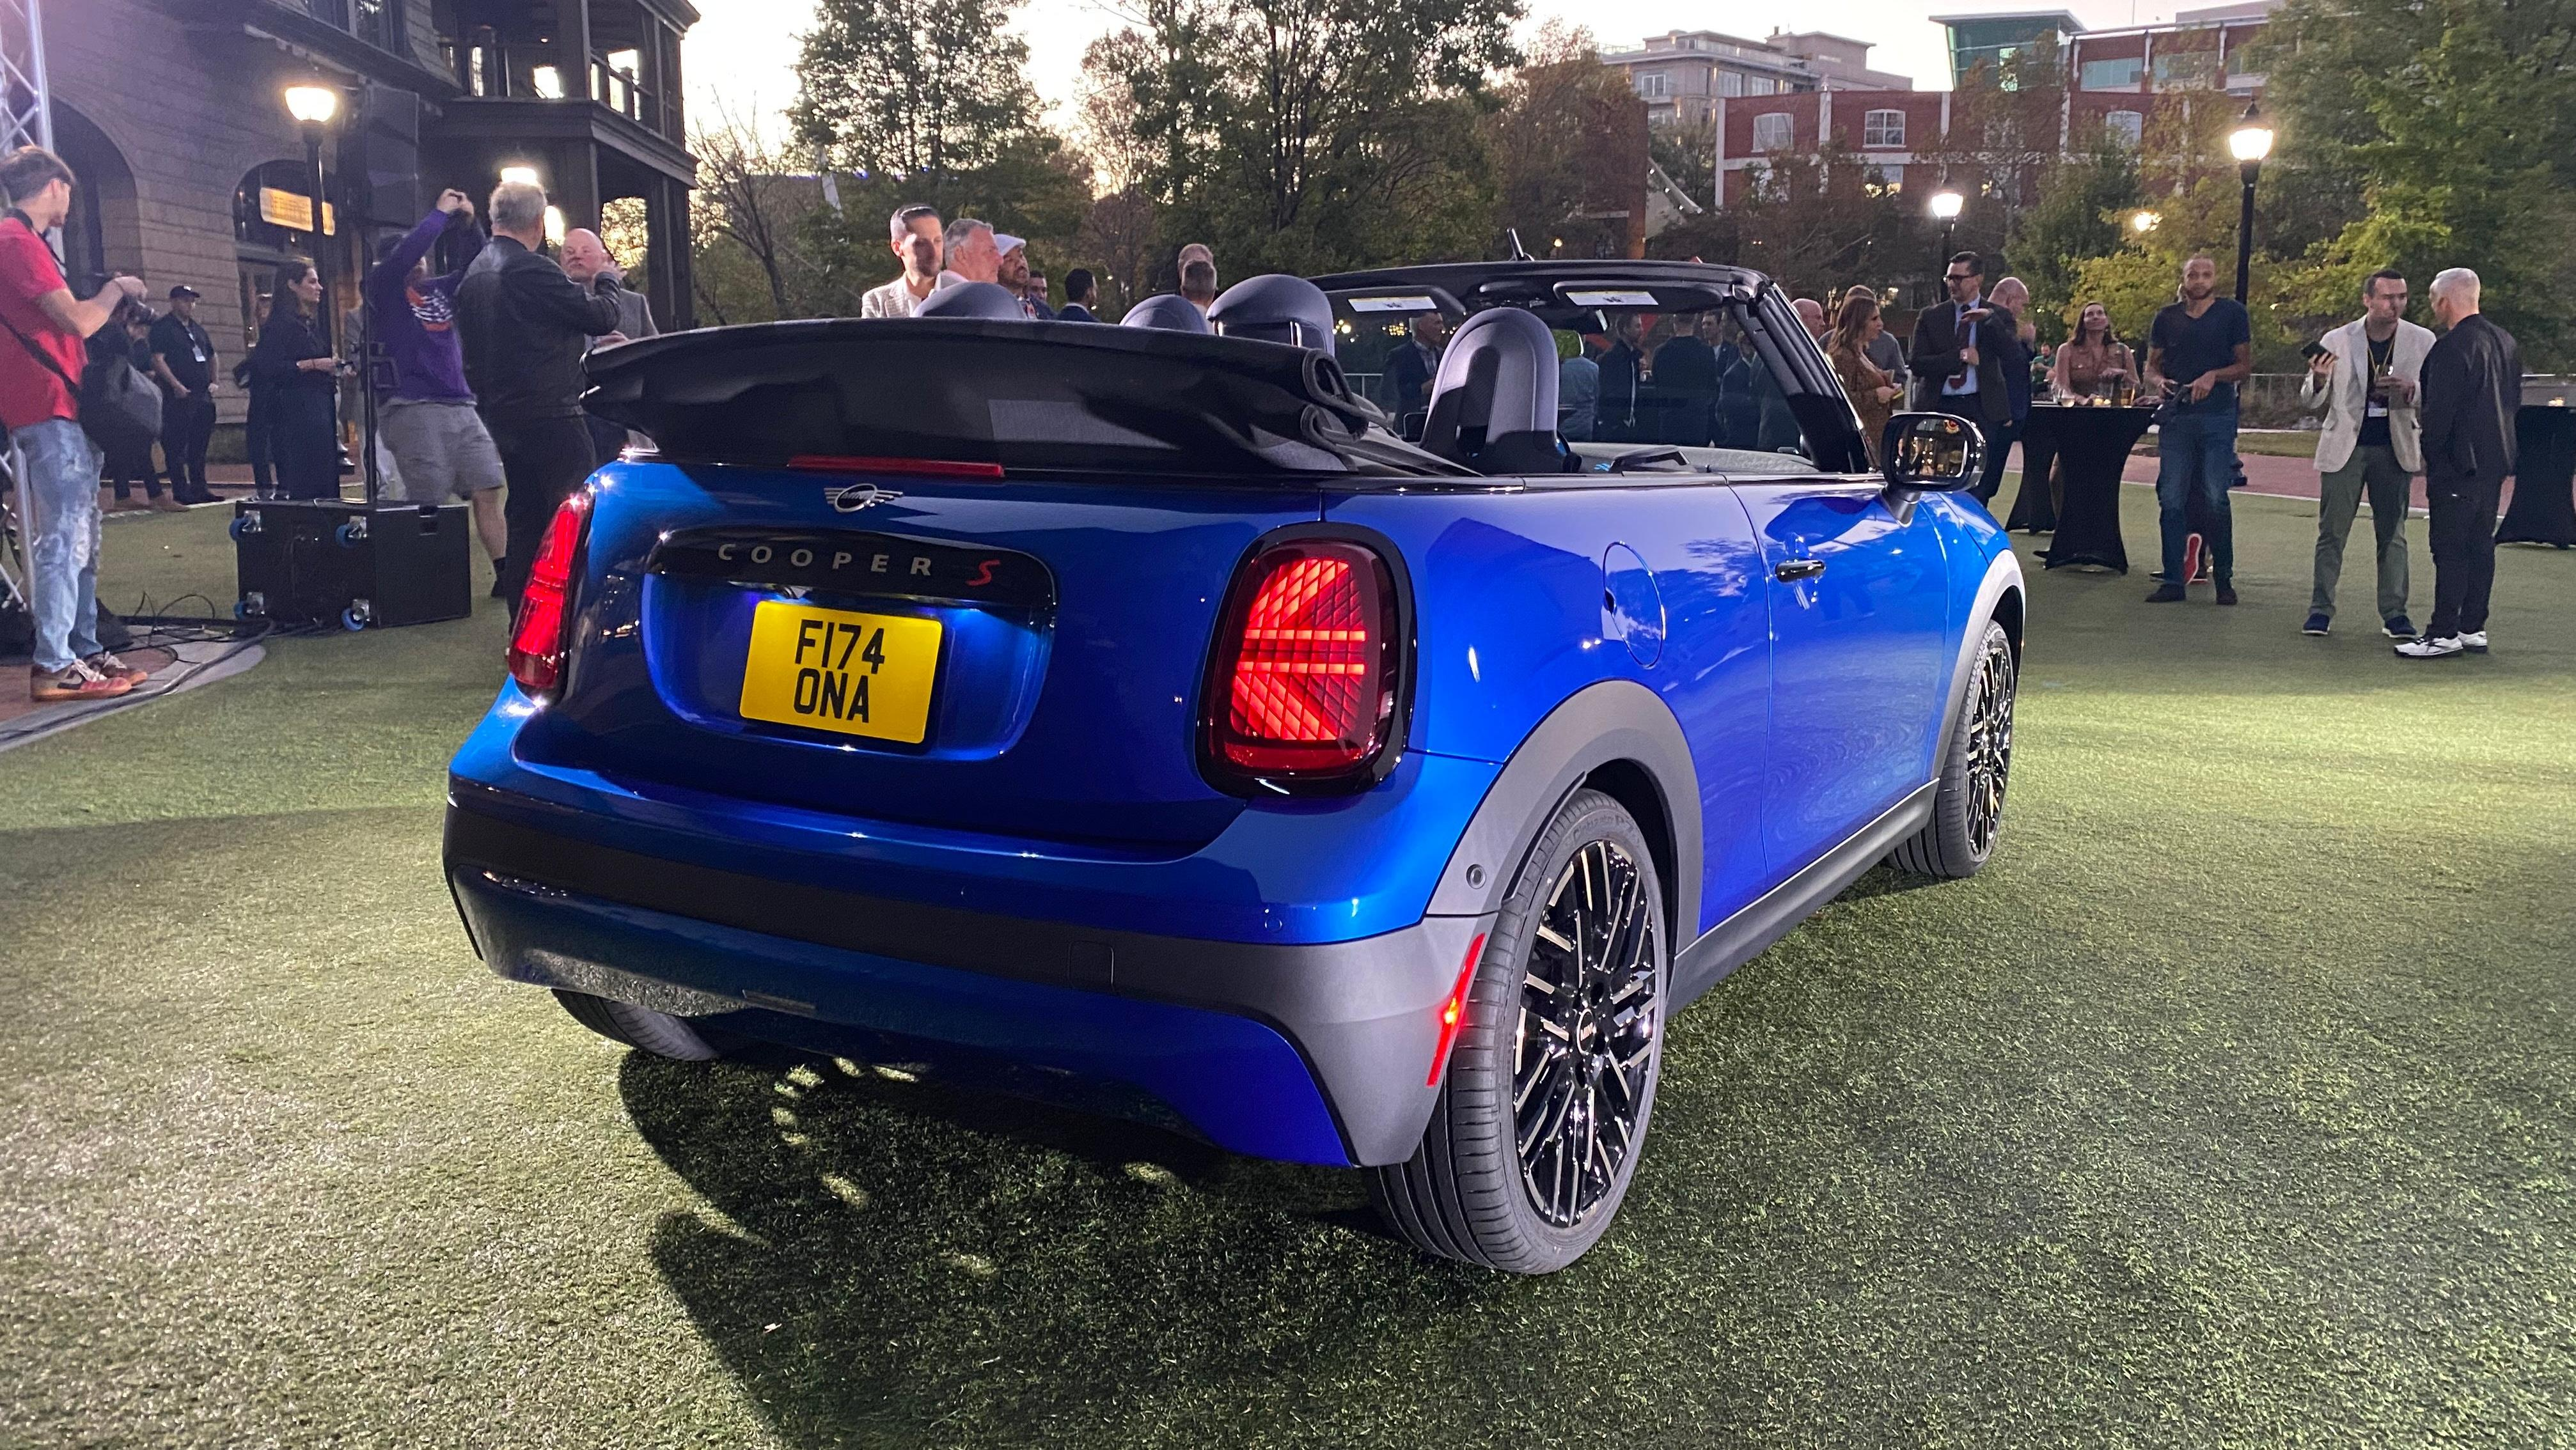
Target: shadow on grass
898,1261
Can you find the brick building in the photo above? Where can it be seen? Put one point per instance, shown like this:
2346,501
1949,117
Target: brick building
172,113
1683,74
2115,78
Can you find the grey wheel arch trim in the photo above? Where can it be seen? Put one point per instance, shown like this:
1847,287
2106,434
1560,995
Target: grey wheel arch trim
2003,575
1602,723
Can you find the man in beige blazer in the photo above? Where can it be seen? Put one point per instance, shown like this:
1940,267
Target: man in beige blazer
2364,381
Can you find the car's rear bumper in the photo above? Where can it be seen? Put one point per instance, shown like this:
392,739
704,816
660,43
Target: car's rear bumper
1312,1053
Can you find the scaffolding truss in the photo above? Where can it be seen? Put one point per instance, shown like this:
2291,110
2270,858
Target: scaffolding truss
26,118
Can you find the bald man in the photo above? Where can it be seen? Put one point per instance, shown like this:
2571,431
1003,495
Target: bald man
2472,389
586,260
1812,314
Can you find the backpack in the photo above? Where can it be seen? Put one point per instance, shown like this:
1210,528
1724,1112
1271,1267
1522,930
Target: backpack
120,408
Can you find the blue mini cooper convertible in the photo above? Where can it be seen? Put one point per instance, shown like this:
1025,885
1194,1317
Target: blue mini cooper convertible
1345,749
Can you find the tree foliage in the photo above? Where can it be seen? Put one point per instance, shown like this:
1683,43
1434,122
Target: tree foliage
1305,135
2453,123
908,87
1550,185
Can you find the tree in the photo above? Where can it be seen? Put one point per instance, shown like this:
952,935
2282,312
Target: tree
2084,205
2453,122
912,87
1304,135
747,212
1817,224
1555,118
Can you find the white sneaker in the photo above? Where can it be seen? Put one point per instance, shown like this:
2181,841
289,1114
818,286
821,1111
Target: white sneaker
2429,648
2474,641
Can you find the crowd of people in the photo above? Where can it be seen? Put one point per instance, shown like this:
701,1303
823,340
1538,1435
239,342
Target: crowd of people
482,366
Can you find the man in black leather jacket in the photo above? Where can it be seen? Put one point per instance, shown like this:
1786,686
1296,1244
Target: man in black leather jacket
525,326
2472,387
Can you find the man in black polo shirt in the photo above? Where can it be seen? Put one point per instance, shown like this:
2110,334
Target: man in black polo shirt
183,363
2198,350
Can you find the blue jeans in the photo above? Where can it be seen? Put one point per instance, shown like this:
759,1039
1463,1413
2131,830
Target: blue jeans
2195,461
58,504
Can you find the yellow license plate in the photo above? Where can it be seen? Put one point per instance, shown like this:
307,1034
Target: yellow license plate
832,669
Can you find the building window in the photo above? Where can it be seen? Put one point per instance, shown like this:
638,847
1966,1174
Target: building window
2126,127
1883,128
2185,69
377,22
1774,131
1655,85
1761,86
1730,83
2113,75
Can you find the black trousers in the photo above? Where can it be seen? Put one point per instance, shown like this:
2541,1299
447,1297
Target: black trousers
543,460
2463,528
256,443
304,441
1999,445
187,426
128,463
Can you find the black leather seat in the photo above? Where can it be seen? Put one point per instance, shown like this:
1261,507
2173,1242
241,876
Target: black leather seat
1493,404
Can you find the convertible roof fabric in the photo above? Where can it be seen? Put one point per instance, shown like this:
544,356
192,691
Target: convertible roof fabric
1043,395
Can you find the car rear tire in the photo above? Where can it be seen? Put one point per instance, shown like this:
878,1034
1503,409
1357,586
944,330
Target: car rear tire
1968,809
1551,1080
658,1033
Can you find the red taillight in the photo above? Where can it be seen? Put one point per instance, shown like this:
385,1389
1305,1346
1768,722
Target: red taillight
542,632
1305,680
1455,1009
918,467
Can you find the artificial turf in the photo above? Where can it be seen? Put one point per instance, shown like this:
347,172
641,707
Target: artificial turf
2231,1105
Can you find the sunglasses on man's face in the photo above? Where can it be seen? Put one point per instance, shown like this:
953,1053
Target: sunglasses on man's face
1962,276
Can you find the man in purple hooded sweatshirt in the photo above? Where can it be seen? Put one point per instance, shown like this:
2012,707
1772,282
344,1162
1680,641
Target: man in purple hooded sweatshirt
441,450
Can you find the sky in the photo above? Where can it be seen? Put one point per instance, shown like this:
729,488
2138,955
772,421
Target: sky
740,58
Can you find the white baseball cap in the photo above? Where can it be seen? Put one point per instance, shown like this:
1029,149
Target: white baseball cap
1005,244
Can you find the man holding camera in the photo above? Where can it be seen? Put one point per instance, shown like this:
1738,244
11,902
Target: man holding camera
40,406
2363,377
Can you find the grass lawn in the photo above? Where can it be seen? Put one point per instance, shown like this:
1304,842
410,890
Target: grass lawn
2234,1105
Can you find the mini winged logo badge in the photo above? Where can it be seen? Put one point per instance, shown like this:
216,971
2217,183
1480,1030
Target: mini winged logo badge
850,498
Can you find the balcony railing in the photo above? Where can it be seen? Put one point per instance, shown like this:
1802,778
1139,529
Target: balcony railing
491,70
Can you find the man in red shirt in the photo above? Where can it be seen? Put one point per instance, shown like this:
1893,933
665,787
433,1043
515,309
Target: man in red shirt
40,406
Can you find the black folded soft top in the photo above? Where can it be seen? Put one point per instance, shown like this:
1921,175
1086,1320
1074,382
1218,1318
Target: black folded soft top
1048,396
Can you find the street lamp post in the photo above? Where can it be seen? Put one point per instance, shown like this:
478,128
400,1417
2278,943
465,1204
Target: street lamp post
1945,210
2250,142
313,106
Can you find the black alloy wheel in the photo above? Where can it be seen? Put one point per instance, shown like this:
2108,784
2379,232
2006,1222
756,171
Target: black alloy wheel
1968,807
1990,725
1542,1114
1589,1018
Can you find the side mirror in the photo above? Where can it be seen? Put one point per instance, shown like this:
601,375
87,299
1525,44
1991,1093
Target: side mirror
1931,452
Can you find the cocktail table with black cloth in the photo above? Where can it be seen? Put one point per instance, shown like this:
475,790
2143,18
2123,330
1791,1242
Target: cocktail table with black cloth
2092,446
2544,485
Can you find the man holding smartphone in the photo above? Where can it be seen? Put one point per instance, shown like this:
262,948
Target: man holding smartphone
1961,350
2364,377
2199,349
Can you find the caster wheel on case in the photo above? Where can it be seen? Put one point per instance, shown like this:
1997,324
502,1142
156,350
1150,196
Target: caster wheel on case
350,534
352,620
238,527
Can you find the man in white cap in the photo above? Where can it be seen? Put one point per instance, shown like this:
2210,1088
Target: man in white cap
1013,273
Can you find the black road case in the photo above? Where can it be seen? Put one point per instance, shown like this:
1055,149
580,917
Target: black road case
355,565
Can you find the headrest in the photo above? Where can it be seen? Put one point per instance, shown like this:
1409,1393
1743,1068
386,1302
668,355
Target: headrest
1493,405
972,299
1275,308
1169,312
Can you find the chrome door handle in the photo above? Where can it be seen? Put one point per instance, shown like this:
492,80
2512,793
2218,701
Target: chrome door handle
1797,569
